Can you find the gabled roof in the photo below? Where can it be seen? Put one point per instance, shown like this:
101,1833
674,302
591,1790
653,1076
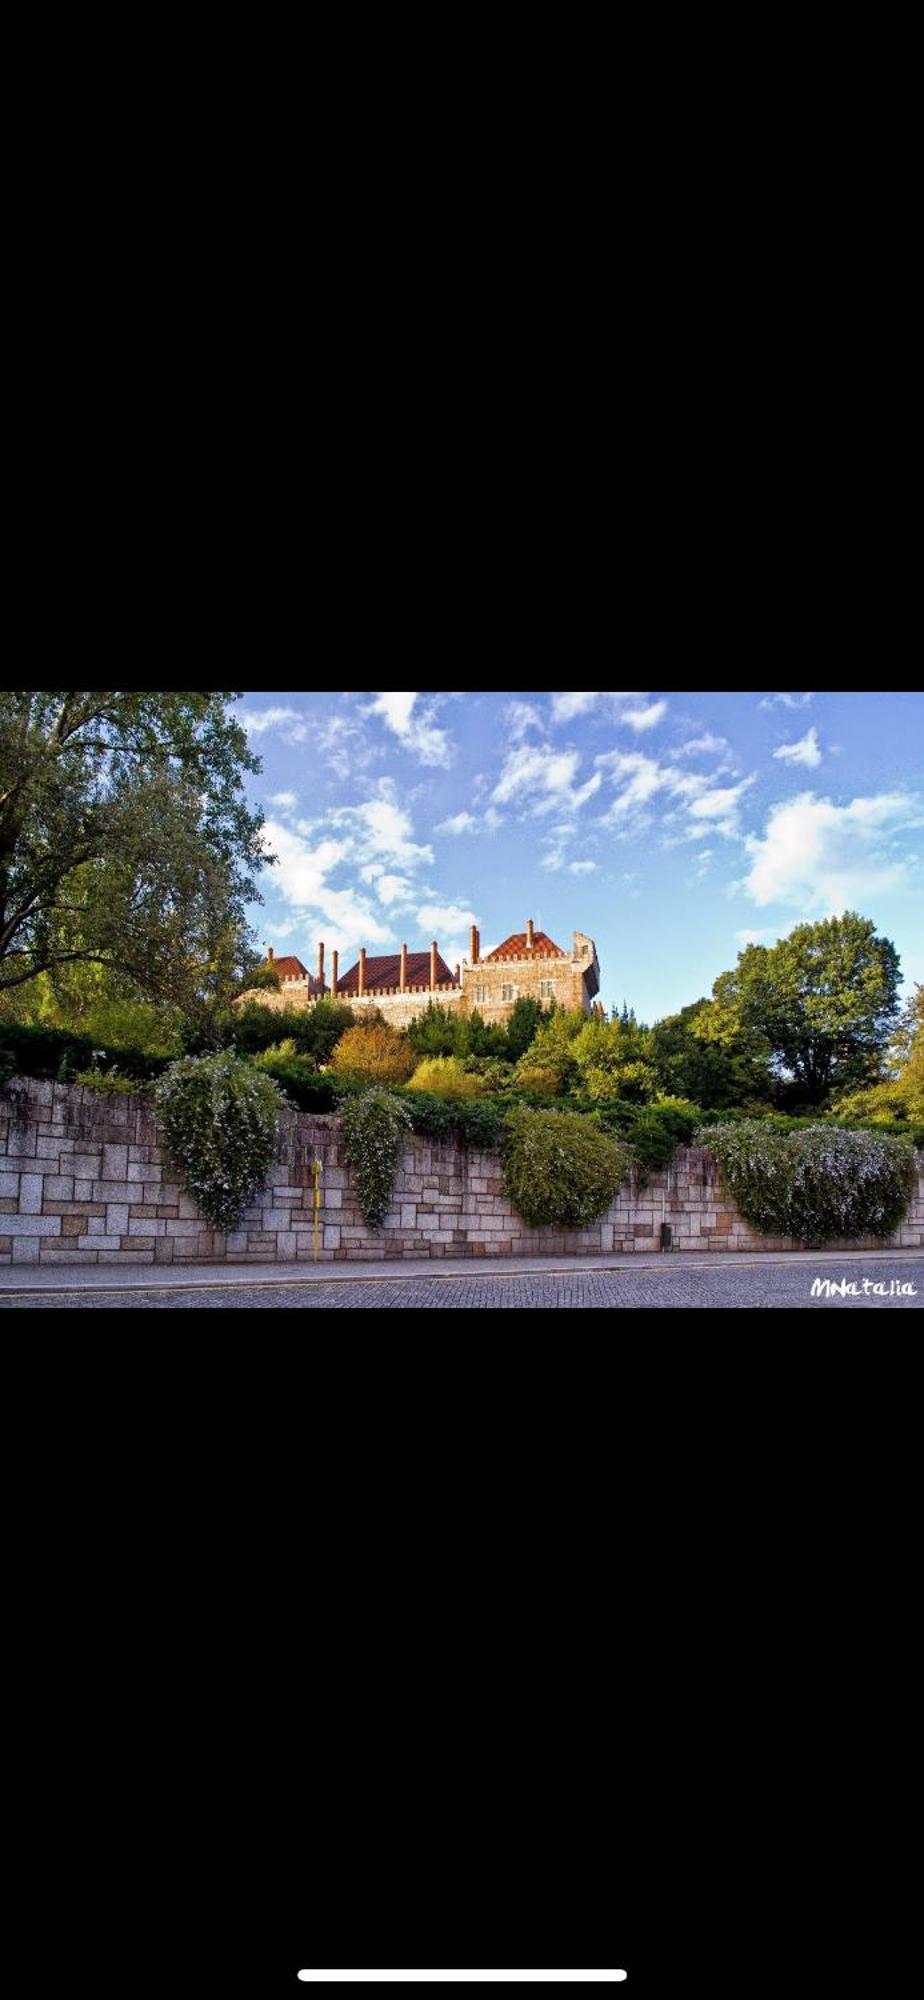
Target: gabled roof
384,973
287,968
515,947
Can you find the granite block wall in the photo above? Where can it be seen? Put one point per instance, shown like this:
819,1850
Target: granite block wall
82,1180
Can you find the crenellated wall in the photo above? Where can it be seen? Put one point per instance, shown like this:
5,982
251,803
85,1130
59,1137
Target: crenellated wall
82,1180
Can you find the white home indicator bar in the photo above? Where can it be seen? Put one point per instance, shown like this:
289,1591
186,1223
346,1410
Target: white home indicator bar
396,1978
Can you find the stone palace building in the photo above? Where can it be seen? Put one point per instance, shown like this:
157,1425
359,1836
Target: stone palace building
527,965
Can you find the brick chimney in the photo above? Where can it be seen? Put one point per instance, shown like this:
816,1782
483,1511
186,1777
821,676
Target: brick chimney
457,976
529,933
321,967
433,949
335,968
362,969
473,946
404,968
269,953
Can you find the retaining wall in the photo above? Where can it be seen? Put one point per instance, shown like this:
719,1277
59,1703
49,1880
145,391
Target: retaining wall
82,1180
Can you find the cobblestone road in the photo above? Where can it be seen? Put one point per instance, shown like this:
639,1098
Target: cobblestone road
760,1286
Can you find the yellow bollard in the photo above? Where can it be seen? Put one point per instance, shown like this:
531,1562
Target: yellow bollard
317,1202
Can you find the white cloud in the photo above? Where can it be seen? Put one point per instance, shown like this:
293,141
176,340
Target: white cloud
644,718
493,819
787,700
384,827
436,917
257,721
393,888
806,751
461,822
758,936
581,867
707,744
640,779
414,727
830,857
566,706
521,716
546,779
285,800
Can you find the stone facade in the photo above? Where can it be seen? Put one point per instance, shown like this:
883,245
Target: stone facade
527,965
82,1181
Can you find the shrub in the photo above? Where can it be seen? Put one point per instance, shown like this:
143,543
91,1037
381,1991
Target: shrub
537,1081
109,1082
561,1169
375,1127
375,1054
314,1030
478,1123
302,1084
57,1053
445,1076
221,1126
815,1183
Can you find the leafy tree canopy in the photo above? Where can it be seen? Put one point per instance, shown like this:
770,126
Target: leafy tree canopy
825,999
126,840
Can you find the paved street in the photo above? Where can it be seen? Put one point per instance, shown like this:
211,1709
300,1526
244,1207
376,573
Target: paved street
763,1285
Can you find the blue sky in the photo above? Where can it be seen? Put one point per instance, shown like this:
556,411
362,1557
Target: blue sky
673,828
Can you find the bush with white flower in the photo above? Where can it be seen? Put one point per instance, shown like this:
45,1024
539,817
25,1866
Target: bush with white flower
375,1127
816,1184
221,1123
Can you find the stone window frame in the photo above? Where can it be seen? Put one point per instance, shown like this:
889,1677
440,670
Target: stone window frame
508,993
546,989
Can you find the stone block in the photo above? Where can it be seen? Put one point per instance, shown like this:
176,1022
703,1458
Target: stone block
31,1225
141,1225
58,1187
26,1250
117,1217
114,1191
9,1185
286,1245
115,1162
163,1250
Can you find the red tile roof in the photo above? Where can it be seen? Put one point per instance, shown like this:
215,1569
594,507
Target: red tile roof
384,973
287,968
515,947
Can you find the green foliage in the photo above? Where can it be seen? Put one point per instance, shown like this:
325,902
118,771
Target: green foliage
315,1030
901,1095
653,1131
439,1031
825,1000
108,1082
611,1060
551,1051
815,1184
705,1055
522,1026
126,840
53,1052
445,1076
561,1170
478,1124
263,978
221,1126
375,1126
374,1053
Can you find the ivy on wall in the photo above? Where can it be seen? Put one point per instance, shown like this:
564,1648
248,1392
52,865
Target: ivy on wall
375,1127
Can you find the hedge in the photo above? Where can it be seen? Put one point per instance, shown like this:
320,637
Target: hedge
58,1053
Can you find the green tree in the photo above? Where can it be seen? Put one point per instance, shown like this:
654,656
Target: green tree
704,1055
126,840
523,1023
825,999
901,1094
613,1060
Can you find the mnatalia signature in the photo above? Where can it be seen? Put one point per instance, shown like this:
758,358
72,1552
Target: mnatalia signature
850,1288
